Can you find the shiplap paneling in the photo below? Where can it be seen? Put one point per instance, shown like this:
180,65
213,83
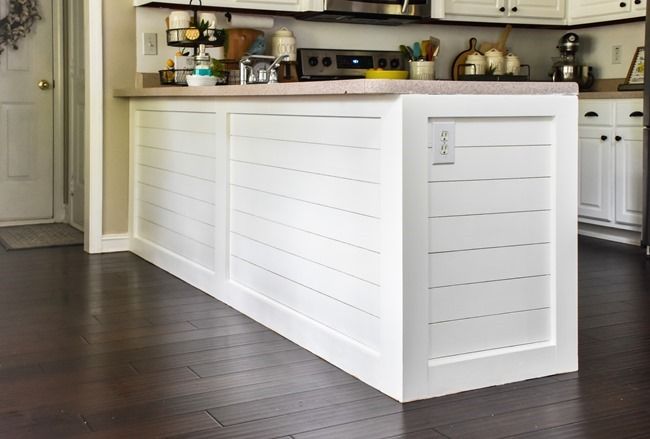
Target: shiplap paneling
482,163
344,131
337,255
470,266
359,230
489,196
181,184
196,143
487,298
189,122
337,161
177,162
340,317
495,230
176,243
199,210
490,332
504,131
349,195
182,225
334,284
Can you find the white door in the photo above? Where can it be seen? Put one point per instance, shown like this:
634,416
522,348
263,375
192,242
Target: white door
596,170
629,175
26,124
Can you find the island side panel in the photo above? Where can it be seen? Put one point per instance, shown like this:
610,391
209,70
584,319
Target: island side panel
501,254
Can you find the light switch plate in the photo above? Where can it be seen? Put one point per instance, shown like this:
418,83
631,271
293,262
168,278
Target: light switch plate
149,44
444,143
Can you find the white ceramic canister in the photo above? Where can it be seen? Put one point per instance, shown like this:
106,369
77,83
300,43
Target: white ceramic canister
512,64
284,43
209,18
495,62
422,70
478,62
179,19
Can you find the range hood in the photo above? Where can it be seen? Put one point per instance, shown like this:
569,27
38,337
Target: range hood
382,12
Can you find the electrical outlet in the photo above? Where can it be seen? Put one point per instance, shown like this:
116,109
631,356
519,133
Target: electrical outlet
616,54
444,142
149,44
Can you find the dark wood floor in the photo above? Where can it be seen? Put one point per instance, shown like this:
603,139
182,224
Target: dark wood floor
110,346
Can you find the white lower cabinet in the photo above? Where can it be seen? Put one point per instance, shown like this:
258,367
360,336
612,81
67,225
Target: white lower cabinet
611,163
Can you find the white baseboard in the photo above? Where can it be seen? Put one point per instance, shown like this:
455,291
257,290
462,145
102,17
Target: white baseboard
115,243
610,234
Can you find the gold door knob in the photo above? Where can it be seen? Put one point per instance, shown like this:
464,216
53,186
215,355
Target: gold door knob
43,84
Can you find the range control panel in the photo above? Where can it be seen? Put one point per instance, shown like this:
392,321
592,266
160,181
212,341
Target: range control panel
322,64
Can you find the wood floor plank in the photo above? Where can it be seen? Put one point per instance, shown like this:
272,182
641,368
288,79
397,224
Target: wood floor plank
104,346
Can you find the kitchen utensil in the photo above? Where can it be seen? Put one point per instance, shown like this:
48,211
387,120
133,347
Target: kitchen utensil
417,51
574,73
500,45
435,44
406,52
423,70
387,74
461,58
238,41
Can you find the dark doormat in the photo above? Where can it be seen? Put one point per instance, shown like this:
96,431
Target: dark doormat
39,235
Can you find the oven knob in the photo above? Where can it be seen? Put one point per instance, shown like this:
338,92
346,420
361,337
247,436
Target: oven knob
327,61
382,63
394,63
313,61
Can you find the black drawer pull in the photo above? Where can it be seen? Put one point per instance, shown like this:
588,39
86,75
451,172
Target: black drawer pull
603,138
514,9
618,138
622,4
502,9
636,114
637,2
591,114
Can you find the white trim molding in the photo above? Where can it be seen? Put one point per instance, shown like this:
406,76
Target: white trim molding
115,243
93,169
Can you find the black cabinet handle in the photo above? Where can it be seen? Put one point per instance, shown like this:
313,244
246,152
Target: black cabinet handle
502,9
591,114
514,9
603,138
636,114
618,138
637,2
622,4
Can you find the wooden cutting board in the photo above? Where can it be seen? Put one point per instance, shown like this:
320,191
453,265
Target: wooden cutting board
462,58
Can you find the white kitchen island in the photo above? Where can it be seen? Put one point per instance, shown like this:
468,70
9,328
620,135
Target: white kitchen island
316,209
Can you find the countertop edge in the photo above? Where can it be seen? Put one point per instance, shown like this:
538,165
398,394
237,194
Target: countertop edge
357,87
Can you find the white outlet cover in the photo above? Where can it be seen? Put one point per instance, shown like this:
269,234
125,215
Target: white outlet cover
149,43
444,152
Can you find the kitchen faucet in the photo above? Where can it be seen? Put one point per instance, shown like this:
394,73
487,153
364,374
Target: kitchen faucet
268,75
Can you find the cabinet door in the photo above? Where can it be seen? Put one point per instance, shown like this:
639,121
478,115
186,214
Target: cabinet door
477,8
629,175
638,6
537,8
599,8
596,168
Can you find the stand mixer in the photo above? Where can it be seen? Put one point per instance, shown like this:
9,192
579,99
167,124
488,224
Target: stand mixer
566,67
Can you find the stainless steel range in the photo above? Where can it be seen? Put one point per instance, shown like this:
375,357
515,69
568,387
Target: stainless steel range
324,64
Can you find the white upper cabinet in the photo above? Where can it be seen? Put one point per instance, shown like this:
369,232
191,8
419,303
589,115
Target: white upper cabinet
511,11
267,5
592,11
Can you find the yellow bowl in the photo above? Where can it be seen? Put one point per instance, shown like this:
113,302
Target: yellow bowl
387,74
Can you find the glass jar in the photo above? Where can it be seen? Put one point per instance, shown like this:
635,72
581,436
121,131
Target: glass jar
202,63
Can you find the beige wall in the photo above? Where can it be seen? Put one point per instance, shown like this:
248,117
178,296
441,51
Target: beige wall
119,68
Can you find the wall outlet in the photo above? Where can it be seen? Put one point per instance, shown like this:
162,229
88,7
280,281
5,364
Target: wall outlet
444,142
616,54
149,44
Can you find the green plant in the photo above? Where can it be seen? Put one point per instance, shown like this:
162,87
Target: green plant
218,69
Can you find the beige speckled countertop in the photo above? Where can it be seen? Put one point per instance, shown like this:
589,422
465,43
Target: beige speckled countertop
360,87
611,95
